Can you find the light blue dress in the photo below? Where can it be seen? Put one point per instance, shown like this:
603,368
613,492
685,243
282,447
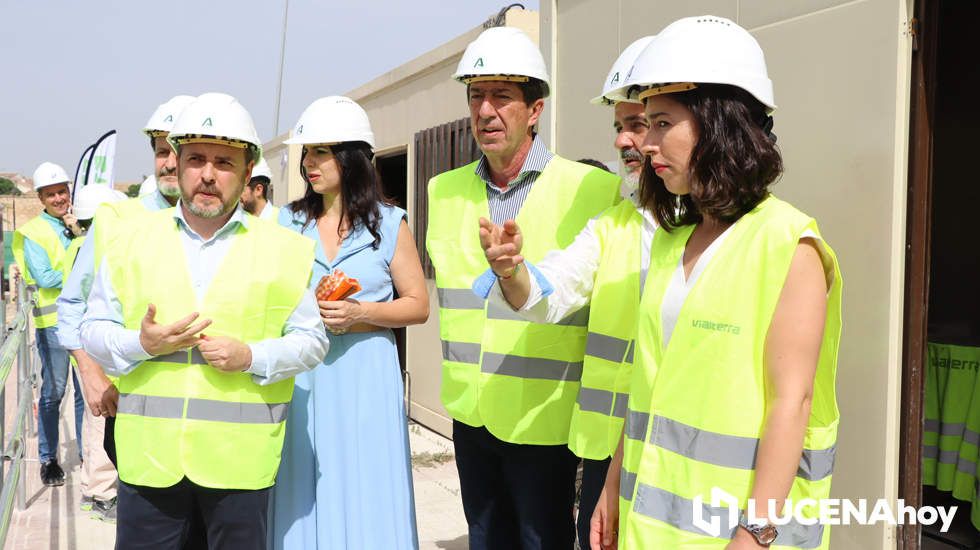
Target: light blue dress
345,481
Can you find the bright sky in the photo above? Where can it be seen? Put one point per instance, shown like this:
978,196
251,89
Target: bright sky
73,70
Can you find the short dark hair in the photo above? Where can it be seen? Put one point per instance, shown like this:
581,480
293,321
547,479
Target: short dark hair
732,165
264,182
532,90
593,162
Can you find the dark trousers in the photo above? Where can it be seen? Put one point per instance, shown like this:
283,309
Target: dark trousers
109,439
593,478
162,519
515,496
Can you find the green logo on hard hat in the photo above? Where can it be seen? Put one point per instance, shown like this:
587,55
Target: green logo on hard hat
299,130
479,62
170,118
615,78
206,123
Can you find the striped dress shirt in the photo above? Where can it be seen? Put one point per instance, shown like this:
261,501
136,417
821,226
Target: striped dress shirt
506,204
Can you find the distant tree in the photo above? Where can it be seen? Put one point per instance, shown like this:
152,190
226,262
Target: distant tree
8,187
133,190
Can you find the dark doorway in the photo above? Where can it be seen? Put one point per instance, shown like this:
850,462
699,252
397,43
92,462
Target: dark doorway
941,382
394,174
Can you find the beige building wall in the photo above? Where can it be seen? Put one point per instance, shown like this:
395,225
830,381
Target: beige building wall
841,76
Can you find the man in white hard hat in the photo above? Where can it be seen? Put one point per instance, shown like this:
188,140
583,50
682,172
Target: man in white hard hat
205,342
629,120
601,269
39,249
98,481
255,197
98,388
509,385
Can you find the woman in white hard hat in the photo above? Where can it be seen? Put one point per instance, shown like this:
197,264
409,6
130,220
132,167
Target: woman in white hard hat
345,480
739,324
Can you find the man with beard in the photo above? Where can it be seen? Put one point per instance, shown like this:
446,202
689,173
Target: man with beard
205,314
39,248
98,473
604,266
255,197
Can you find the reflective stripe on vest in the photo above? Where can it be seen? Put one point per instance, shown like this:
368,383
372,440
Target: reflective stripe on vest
678,512
951,432
461,352
490,353
531,368
698,403
459,298
48,309
602,401
202,409
721,449
605,347
627,484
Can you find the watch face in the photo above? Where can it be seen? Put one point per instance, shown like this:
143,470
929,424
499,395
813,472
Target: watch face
767,534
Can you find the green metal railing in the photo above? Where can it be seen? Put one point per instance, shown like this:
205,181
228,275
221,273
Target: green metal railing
16,346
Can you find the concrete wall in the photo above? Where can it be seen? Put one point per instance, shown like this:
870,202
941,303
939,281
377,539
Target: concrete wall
841,72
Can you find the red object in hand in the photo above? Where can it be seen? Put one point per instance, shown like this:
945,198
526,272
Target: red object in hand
336,286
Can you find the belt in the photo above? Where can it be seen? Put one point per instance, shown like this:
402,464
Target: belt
358,328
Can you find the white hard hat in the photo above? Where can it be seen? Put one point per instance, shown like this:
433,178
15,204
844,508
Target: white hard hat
612,88
88,199
49,173
333,119
148,186
216,118
262,170
705,49
502,53
162,120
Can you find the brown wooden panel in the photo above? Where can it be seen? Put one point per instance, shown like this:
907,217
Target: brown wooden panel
924,27
437,150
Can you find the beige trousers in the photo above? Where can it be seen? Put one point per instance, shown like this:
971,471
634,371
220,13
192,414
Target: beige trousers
99,476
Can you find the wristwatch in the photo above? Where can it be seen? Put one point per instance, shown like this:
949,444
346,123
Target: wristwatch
764,533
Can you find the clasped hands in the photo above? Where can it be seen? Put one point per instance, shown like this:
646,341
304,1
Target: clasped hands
221,352
502,246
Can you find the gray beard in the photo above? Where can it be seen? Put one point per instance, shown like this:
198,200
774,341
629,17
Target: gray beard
203,213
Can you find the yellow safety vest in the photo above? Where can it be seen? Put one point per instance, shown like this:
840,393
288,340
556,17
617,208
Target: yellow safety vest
518,379
41,232
108,215
951,436
178,416
70,254
697,408
597,417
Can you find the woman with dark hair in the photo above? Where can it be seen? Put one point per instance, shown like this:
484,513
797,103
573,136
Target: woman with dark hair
345,479
739,324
